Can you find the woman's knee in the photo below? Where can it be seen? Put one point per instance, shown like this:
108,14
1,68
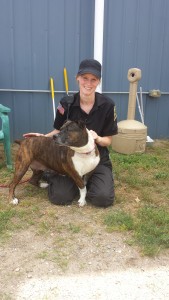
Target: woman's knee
59,201
101,199
62,190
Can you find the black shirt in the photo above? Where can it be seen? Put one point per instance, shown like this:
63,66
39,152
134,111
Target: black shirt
102,117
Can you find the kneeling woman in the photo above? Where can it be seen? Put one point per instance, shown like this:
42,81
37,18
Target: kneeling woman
98,113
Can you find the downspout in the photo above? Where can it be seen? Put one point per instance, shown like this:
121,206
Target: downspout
98,34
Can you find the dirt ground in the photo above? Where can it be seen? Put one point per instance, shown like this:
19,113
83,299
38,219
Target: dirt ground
87,264
101,266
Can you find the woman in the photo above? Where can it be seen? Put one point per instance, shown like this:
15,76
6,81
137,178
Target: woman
98,113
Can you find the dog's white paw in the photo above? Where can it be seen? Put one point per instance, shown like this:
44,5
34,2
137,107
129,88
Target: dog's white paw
82,202
82,198
15,201
43,185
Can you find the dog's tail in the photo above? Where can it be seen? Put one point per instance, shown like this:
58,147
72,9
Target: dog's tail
18,141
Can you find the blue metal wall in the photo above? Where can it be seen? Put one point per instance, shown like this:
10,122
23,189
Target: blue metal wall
40,37
136,34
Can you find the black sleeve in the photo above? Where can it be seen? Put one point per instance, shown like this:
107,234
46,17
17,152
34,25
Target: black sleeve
110,124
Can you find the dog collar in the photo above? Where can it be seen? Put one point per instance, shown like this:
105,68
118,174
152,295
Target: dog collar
87,153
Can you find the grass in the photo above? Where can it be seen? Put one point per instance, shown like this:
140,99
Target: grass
5,220
118,220
150,227
74,228
142,197
144,175
141,208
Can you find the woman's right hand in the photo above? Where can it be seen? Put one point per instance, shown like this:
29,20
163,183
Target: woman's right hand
31,134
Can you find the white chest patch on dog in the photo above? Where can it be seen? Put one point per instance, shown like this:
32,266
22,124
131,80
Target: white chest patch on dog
85,159
85,163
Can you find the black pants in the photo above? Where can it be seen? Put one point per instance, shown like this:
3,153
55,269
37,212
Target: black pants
100,188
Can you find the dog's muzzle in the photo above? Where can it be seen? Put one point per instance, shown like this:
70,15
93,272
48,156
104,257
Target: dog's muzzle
55,136
58,139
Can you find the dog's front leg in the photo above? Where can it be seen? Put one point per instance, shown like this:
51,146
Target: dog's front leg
82,199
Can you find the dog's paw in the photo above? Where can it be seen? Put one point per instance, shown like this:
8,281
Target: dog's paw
14,201
43,185
81,202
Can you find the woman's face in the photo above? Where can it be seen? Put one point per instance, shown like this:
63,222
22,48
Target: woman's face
87,83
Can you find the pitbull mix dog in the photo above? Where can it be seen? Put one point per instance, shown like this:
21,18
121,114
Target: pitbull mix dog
71,152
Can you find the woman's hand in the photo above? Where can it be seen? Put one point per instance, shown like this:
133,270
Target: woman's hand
96,137
31,134
103,141
94,134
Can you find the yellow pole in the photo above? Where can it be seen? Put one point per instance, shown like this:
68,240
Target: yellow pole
53,96
66,81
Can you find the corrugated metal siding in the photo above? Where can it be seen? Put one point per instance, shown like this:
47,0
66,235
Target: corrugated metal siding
136,35
40,37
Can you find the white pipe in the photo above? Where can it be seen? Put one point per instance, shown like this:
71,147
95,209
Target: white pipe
140,111
98,34
141,103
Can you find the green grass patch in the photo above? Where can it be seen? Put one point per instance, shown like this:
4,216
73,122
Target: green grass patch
6,217
118,220
44,227
6,175
74,228
162,175
141,207
152,229
18,218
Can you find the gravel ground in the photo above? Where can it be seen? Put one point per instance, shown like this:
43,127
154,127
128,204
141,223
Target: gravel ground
130,284
100,266
114,271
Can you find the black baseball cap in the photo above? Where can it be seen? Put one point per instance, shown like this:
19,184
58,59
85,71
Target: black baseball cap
90,66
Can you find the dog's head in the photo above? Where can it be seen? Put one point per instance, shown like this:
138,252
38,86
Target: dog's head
72,133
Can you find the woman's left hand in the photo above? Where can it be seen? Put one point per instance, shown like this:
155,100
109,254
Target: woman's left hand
104,141
94,134
96,137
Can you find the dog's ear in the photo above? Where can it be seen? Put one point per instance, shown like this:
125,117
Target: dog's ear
81,124
18,141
